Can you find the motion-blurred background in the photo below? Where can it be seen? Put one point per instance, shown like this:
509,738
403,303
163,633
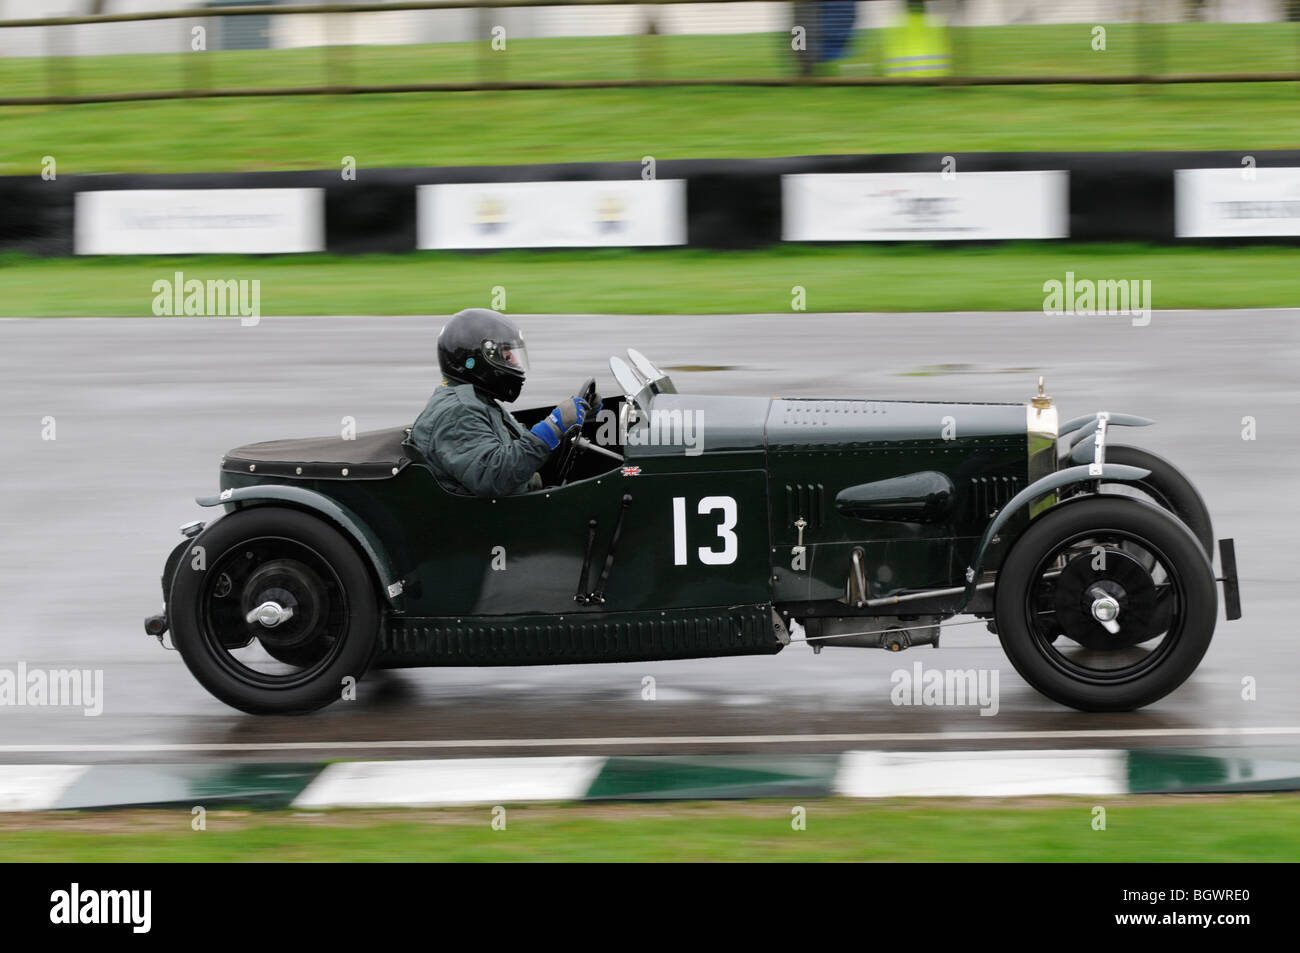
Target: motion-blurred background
270,44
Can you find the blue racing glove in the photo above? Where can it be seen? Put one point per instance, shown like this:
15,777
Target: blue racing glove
570,413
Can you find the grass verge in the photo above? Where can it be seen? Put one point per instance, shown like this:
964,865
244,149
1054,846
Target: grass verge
1151,828
677,281
521,127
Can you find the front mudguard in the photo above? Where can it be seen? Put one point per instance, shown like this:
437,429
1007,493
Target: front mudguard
1079,434
1037,490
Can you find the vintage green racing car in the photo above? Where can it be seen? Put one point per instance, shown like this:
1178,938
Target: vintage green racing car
700,526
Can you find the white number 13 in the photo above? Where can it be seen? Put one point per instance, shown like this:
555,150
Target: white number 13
726,531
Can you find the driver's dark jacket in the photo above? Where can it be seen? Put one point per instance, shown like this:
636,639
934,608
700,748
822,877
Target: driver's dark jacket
474,446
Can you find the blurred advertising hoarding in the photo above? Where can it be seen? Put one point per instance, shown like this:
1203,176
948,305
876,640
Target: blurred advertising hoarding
629,212
924,206
1247,202
199,221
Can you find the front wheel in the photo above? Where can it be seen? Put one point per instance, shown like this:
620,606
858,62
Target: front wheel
272,609
1106,604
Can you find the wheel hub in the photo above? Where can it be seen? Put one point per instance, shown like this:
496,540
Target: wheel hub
270,614
1105,608
1106,599
282,603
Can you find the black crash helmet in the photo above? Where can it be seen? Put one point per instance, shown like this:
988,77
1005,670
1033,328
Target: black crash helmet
486,349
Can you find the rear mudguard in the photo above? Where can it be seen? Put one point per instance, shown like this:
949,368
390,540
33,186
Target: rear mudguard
390,581
1035,490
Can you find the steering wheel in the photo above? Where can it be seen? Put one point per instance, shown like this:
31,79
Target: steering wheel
566,455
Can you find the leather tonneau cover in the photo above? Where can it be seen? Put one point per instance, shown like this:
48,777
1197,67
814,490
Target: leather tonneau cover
371,455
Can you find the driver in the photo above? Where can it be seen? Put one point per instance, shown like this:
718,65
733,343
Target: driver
473,444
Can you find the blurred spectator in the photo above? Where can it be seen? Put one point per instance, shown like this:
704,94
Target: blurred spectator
917,44
836,22
829,32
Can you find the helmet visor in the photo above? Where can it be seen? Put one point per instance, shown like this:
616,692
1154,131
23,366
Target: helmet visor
511,356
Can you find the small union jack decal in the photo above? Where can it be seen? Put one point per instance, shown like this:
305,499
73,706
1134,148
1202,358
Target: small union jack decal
631,471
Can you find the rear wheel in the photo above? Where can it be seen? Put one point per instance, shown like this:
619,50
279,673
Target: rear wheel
274,610
1106,604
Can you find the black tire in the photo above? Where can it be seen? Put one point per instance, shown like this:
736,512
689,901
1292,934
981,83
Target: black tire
289,656
1168,487
1025,630
352,622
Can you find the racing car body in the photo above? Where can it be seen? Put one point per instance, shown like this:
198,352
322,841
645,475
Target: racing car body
681,526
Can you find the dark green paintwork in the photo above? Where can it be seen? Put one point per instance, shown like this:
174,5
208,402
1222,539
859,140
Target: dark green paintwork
779,460
923,497
578,637
838,444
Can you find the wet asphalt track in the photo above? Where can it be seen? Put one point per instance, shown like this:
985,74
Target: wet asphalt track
145,408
